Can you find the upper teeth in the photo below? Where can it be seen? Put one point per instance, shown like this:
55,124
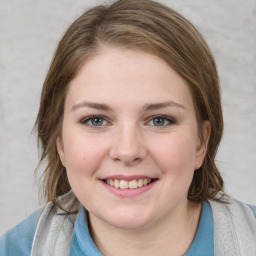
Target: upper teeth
123,184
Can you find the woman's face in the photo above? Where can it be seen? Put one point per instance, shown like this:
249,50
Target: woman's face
130,140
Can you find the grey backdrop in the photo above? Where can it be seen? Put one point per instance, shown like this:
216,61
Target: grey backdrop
29,32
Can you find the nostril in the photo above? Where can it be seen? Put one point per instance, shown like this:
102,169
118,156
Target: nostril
128,151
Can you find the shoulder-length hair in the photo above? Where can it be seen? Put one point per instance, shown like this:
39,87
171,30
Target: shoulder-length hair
137,24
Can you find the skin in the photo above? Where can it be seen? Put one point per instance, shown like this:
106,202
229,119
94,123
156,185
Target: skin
130,88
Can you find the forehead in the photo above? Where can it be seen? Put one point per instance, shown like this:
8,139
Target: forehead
116,74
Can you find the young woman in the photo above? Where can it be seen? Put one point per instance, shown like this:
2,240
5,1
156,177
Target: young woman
129,122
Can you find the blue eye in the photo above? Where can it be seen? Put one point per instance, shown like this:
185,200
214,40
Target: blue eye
161,121
94,121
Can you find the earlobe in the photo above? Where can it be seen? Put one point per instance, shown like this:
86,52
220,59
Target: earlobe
202,144
60,149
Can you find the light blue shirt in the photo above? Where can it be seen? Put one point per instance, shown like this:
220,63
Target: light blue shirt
203,243
18,241
83,245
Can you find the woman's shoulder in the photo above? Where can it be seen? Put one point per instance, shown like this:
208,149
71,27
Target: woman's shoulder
18,240
234,206
234,226
253,208
50,221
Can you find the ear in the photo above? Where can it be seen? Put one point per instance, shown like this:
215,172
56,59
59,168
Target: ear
60,150
202,143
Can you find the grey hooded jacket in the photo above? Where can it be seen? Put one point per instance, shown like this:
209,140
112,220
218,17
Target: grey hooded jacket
234,230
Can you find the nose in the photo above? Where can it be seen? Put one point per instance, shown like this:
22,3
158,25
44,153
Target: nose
128,146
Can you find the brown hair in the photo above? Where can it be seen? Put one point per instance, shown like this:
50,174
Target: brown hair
137,24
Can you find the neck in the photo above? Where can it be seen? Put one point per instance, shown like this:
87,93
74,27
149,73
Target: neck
172,235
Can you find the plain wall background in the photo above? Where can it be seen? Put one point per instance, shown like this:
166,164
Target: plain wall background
29,33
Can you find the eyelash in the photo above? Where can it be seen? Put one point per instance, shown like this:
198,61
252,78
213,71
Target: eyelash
85,121
167,121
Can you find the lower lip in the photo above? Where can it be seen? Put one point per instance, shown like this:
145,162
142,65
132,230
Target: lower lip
129,192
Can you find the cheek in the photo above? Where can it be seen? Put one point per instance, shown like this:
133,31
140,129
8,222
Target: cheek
176,153
175,157
83,154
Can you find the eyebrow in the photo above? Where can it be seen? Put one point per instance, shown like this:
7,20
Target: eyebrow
146,107
157,106
91,105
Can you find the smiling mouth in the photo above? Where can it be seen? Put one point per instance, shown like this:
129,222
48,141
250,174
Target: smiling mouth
132,184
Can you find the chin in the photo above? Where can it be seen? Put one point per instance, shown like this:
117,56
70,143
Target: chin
129,220
130,224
